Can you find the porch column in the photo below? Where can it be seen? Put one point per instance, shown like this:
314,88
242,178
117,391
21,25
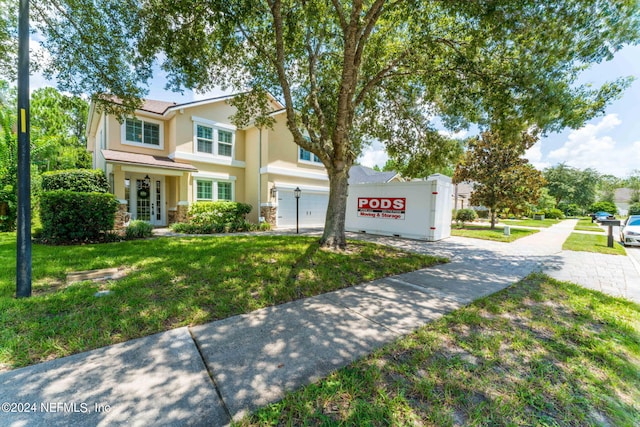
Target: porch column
182,208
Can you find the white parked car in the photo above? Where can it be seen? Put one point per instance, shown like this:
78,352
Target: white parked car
630,231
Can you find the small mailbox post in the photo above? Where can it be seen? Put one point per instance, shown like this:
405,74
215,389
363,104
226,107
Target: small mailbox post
611,223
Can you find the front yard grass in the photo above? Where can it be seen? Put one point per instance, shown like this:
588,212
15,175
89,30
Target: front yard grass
541,223
172,282
585,224
592,243
539,353
486,233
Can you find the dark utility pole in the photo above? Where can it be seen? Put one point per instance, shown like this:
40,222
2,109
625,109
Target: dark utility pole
23,259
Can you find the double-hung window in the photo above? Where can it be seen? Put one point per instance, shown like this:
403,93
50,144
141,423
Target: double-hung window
205,139
142,132
213,139
206,189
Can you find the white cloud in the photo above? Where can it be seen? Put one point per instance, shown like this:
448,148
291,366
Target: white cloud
374,155
454,135
588,147
534,155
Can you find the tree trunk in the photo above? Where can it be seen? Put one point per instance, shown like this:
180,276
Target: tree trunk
493,218
334,234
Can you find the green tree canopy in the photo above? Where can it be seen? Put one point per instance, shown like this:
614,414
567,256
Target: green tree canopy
58,124
502,177
349,72
572,186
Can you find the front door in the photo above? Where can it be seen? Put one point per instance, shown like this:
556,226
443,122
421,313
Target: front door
147,201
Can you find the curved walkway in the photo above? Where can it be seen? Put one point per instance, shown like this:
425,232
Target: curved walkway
208,374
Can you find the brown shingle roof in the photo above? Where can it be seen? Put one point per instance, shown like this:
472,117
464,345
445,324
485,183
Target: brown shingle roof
145,160
158,107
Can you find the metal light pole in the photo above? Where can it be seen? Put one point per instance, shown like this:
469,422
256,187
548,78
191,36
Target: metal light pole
297,193
23,258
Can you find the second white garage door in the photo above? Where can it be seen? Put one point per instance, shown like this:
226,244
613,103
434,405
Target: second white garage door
312,209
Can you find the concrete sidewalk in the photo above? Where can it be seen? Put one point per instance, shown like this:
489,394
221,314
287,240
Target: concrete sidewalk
209,374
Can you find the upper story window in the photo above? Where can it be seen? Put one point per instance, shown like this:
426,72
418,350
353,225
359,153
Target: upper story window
213,138
307,156
142,132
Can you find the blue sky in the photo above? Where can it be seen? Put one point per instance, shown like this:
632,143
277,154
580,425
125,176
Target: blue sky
609,143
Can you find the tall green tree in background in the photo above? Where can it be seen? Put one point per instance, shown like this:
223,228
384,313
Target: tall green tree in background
633,182
8,39
8,159
354,71
569,185
502,177
58,130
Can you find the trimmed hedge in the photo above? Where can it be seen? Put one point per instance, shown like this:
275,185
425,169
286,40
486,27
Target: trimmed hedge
466,215
215,217
223,212
553,214
69,216
212,228
79,180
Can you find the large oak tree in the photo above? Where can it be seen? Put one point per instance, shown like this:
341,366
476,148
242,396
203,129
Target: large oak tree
352,71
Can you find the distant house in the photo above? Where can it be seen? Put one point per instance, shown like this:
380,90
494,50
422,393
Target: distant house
461,195
622,199
363,175
167,156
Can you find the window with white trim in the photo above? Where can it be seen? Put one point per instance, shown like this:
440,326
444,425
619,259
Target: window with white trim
207,188
142,132
307,156
214,141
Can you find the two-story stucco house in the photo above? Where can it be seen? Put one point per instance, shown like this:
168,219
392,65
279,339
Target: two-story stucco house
168,156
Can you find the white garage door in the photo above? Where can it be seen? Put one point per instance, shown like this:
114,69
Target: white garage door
312,209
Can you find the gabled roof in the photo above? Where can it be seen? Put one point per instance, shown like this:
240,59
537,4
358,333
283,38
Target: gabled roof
166,108
364,175
157,107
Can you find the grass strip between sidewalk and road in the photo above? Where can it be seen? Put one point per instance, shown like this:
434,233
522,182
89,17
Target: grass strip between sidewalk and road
540,352
585,224
541,223
486,233
581,242
171,282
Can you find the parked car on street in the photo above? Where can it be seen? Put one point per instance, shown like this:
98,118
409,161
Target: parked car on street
630,231
601,216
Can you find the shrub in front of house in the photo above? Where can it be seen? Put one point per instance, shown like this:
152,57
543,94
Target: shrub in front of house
69,216
138,230
634,209
465,215
215,217
604,206
553,214
79,180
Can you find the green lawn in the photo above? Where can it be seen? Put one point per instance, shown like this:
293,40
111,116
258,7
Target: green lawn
592,243
172,282
539,353
585,224
484,232
542,223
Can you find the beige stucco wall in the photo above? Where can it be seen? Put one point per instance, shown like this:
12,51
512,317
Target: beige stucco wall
114,137
283,152
217,112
